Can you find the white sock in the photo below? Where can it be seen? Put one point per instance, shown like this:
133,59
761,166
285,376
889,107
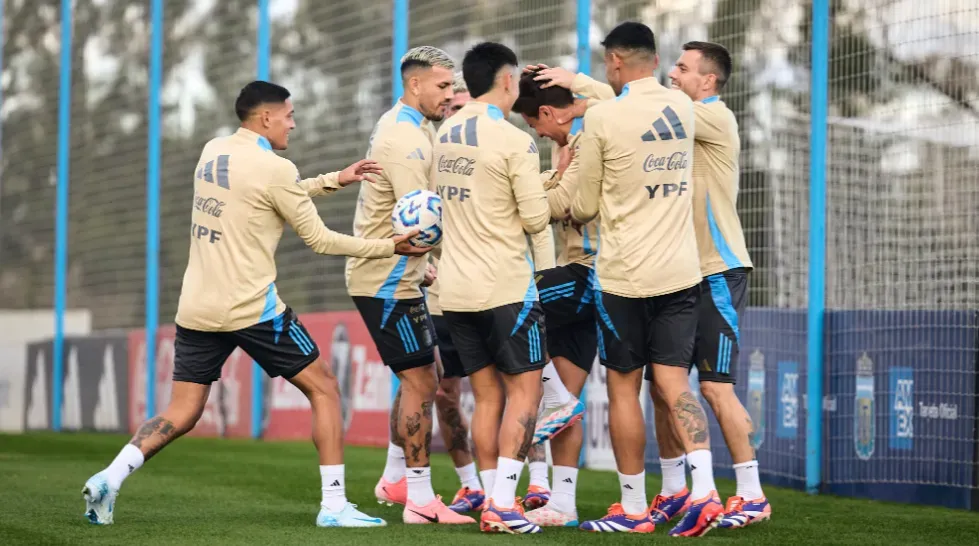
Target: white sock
420,491
538,475
562,496
126,462
394,470
507,475
334,491
702,473
674,475
749,485
468,477
555,393
633,492
489,480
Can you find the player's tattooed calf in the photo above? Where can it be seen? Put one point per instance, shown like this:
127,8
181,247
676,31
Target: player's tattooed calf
458,435
413,424
529,422
153,435
692,417
396,438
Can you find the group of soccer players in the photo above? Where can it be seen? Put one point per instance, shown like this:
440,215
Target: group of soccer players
650,276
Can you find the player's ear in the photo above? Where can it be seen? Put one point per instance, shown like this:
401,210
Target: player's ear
655,61
710,82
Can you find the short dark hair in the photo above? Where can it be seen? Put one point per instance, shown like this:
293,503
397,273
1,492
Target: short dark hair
717,56
533,95
257,93
631,36
482,63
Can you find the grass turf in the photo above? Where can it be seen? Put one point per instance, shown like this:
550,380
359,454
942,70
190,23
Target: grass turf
207,491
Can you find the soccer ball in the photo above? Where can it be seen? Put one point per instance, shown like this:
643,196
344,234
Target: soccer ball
419,209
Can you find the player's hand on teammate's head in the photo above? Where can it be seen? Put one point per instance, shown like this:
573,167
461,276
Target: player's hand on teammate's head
403,246
359,171
430,275
577,110
561,77
534,68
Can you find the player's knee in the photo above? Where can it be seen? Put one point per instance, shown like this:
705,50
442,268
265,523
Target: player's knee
446,398
317,381
717,394
451,387
421,381
184,416
659,401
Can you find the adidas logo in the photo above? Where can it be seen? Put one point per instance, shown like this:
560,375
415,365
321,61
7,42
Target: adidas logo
512,477
568,480
417,154
336,483
627,486
533,148
131,468
663,131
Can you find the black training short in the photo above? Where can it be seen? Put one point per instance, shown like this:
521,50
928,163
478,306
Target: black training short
451,364
281,346
512,337
636,332
569,309
723,298
401,329
722,302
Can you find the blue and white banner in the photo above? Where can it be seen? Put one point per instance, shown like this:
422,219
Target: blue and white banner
905,382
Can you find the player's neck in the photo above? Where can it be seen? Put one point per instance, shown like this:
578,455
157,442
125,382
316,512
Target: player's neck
497,98
631,74
701,95
254,127
411,101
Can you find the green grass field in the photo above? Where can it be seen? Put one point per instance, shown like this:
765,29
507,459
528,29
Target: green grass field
202,491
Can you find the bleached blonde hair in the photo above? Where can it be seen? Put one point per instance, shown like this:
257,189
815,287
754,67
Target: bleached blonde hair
459,83
427,56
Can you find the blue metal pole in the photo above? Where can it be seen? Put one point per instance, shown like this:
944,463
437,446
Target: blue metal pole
584,45
264,52
61,214
817,244
584,66
398,49
153,202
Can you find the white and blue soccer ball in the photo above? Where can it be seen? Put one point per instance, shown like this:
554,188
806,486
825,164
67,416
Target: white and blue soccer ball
422,210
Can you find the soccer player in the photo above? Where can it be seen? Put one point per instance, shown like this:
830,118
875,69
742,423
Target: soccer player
555,406
488,174
229,298
388,292
452,423
566,293
635,161
701,72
